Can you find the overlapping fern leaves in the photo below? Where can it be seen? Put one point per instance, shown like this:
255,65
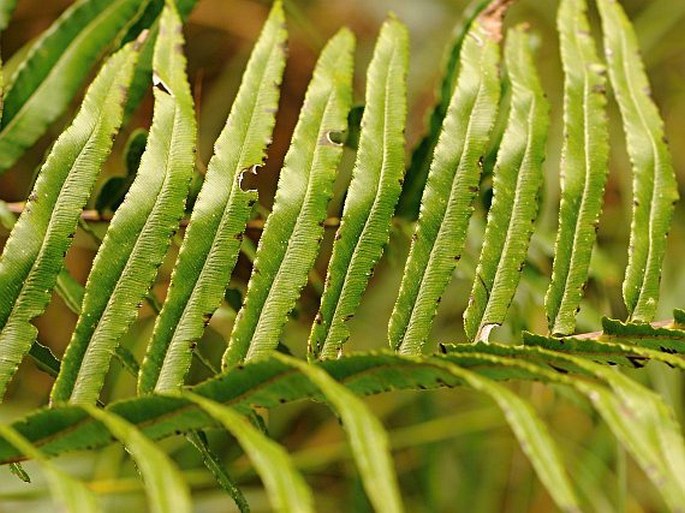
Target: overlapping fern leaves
254,374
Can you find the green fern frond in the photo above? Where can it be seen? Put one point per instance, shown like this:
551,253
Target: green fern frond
212,241
584,162
655,190
55,68
452,185
140,232
517,182
372,193
293,231
422,155
34,254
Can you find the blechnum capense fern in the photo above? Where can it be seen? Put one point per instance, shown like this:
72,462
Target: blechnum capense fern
447,164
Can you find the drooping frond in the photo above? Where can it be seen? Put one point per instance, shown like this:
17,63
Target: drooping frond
655,189
372,194
272,381
212,241
34,254
55,68
140,232
517,182
293,231
584,162
452,184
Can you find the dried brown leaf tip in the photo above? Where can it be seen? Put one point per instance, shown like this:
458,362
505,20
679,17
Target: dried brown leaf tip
491,18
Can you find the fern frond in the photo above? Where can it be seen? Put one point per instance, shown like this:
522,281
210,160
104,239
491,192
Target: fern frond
287,489
293,231
372,194
446,206
55,68
603,348
417,172
212,241
516,185
34,254
139,234
655,190
166,488
584,162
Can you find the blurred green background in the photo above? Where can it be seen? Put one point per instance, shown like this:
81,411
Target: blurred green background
452,448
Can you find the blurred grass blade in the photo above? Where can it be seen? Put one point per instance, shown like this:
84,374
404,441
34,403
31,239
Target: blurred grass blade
452,184
55,69
34,254
73,495
139,234
655,189
212,241
584,166
165,485
285,486
417,172
292,233
532,434
368,439
517,182
372,194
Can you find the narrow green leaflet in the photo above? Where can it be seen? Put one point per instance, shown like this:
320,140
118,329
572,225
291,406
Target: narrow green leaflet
287,489
584,166
73,495
602,349
368,439
531,432
669,339
166,487
655,189
34,254
55,69
372,194
516,184
139,234
290,240
417,172
452,184
212,241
